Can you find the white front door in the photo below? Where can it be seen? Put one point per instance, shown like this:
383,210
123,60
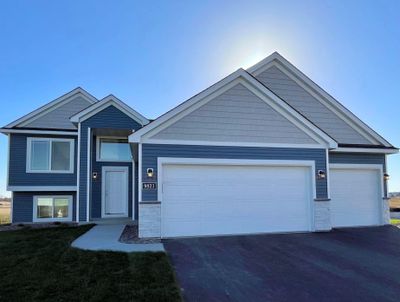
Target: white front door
115,191
235,199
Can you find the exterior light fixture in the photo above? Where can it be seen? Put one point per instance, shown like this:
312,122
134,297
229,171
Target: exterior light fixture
150,172
321,174
386,176
94,175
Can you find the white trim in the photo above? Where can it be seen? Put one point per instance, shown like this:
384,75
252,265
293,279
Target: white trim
42,188
321,95
133,189
45,132
89,178
366,167
71,142
246,162
235,144
238,77
8,159
328,178
104,103
70,208
140,173
51,106
12,207
78,171
98,159
104,169
366,150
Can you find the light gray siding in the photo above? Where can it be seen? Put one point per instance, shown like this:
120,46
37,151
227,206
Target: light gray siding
237,115
59,117
310,107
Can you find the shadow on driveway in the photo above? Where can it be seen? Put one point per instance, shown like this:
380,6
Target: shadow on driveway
359,264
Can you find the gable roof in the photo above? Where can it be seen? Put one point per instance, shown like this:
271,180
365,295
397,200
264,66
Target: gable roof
53,105
207,95
320,95
110,100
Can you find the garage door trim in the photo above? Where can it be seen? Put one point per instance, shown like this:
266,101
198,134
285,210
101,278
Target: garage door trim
236,162
377,167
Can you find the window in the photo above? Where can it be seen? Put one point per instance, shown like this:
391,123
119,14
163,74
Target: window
50,155
52,208
113,149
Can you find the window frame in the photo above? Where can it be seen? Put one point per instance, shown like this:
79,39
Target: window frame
71,142
98,145
35,204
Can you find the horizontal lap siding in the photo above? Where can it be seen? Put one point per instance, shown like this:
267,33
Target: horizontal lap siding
109,118
151,152
356,158
23,204
310,107
17,169
237,115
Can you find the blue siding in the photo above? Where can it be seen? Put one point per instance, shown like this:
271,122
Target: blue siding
23,204
356,158
17,170
359,158
96,184
150,153
109,118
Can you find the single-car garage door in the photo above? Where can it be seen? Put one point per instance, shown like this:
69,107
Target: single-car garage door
356,195
234,199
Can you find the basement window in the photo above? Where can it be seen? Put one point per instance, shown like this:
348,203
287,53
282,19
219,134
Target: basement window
52,208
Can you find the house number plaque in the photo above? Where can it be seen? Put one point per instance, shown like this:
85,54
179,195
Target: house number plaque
149,186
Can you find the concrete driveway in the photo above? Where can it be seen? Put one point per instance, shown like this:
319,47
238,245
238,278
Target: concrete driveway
344,265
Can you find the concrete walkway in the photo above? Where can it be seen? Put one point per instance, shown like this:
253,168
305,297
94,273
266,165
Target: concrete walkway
105,238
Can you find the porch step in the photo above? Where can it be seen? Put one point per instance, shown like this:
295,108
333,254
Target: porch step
103,221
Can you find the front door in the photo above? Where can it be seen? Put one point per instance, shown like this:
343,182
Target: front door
115,191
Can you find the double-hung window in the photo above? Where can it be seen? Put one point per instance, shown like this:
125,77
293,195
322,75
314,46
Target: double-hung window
50,155
52,208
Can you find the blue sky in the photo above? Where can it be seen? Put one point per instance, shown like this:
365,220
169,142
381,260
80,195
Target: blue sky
156,54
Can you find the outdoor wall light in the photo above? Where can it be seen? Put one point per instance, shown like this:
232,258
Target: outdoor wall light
386,176
94,175
321,174
150,172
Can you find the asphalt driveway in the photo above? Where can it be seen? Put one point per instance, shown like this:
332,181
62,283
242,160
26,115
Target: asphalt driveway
360,264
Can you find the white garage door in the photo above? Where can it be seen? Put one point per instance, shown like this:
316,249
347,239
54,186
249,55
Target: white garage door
226,199
356,196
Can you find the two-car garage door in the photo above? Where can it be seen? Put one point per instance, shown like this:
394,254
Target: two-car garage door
216,199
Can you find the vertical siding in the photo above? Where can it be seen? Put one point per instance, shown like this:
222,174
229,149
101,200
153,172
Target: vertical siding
23,204
17,169
109,118
151,152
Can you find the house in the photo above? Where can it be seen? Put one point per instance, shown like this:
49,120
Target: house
263,150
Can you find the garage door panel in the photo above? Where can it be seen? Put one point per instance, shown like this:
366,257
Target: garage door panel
355,197
234,199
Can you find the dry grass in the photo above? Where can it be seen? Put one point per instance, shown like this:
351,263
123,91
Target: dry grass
395,203
5,212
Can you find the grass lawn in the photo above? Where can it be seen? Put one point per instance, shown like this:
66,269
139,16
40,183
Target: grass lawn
395,221
40,265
